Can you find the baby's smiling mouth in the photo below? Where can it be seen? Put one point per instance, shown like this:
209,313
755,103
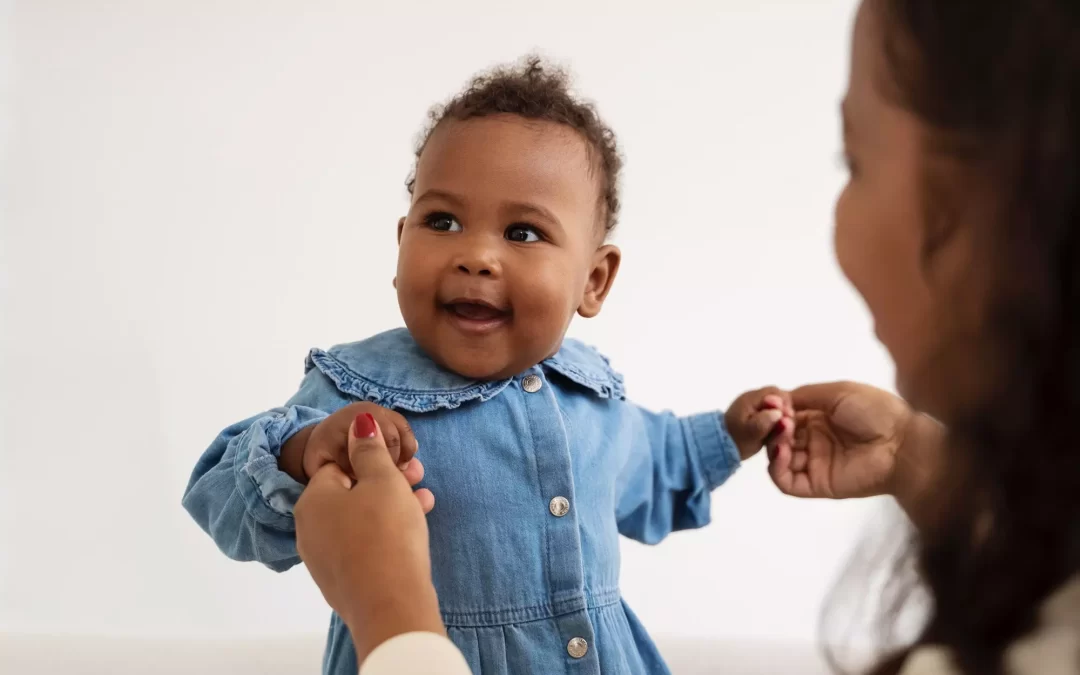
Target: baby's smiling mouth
477,315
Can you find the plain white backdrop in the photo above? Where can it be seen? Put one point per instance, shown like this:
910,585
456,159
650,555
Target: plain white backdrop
197,193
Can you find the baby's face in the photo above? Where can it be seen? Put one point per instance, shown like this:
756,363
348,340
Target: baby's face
502,244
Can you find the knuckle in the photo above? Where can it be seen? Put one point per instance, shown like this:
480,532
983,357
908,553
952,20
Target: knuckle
390,435
399,421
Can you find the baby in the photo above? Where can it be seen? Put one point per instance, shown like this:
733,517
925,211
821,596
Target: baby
536,458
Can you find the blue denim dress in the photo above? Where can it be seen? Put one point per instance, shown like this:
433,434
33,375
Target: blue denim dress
535,478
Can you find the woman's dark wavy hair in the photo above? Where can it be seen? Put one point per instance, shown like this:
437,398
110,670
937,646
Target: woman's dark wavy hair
997,85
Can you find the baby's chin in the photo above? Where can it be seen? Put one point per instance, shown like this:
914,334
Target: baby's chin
498,357
480,367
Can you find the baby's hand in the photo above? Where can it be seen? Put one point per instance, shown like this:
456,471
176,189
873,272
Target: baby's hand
329,442
759,417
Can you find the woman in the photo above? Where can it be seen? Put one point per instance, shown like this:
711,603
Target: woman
959,226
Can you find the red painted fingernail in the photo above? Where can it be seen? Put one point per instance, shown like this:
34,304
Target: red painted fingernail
364,426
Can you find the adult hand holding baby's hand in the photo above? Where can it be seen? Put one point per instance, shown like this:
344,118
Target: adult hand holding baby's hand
366,545
327,443
757,417
846,443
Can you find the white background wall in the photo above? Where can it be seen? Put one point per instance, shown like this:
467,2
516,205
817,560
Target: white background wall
199,192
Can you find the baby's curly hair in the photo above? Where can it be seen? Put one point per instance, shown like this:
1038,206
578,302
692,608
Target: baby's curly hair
536,91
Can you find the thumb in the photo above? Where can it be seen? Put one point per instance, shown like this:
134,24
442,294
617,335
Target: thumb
367,448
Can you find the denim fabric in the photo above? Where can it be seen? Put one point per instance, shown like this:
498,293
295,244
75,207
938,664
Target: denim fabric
516,583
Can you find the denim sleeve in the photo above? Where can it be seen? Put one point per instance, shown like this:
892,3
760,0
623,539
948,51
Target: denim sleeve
673,467
239,496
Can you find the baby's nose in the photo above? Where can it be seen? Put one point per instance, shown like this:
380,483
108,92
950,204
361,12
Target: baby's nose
481,270
482,262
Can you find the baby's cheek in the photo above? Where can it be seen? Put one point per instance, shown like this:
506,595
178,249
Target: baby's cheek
539,286
540,323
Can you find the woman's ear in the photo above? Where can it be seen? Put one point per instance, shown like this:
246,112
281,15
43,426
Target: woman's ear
605,266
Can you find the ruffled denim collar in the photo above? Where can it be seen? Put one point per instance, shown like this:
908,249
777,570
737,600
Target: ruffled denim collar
391,370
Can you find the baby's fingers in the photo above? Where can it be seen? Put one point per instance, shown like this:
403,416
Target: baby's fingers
765,425
400,440
781,400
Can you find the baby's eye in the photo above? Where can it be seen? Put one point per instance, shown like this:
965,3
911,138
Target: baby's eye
524,234
442,222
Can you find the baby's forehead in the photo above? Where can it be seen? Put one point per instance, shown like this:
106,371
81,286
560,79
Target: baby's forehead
512,157
494,139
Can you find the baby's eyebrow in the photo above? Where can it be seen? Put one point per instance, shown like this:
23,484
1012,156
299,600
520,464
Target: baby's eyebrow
443,195
536,209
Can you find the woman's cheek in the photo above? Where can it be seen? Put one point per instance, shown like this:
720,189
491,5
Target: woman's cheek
844,244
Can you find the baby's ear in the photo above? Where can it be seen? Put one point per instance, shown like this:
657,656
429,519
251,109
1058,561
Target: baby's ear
400,227
605,266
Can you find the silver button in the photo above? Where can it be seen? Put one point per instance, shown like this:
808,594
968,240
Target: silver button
560,506
532,383
577,648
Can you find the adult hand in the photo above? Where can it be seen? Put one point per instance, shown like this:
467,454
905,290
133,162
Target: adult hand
853,440
366,544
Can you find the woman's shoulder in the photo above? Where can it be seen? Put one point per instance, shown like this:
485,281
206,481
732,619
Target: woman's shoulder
1053,648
